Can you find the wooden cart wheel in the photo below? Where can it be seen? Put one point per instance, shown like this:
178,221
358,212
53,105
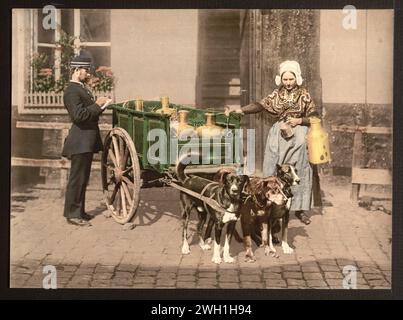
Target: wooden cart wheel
120,172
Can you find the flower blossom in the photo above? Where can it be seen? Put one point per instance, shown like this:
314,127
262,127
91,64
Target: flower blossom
103,69
46,72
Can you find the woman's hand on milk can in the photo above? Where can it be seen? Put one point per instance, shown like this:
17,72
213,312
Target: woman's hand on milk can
294,121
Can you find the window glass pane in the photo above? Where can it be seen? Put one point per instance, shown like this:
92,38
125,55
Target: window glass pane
95,25
44,36
49,52
101,56
67,17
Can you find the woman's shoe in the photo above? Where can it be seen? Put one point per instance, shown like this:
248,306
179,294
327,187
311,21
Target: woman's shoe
303,217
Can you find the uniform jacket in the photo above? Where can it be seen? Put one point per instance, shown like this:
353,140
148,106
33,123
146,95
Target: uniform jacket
84,113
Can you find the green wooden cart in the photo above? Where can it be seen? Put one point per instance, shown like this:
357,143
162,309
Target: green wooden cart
127,164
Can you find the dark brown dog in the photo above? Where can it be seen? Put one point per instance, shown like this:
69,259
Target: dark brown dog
255,211
268,202
280,208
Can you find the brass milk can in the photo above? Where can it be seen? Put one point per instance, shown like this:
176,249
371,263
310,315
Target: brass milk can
184,129
165,109
210,129
318,143
138,103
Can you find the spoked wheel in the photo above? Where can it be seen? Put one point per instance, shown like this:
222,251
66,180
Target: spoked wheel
120,175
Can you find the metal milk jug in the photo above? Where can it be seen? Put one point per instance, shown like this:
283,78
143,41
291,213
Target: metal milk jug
184,129
165,109
210,129
318,143
139,105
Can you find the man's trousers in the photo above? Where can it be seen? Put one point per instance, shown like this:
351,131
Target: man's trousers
74,205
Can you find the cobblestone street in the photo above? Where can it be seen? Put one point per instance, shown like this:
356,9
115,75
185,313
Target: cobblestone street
149,256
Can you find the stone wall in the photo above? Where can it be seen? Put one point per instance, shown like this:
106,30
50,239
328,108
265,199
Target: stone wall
291,35
378,148
279,35
40,144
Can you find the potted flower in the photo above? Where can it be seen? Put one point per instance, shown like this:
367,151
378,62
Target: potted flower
43,80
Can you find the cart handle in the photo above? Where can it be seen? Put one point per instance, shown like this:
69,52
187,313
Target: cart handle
124,104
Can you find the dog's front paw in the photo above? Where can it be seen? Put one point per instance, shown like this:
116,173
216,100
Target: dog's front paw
249,258
286,248
205,246
216,259
270,252
228,259
185,248
268,249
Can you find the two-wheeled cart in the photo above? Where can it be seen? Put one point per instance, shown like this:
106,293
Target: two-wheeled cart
141,150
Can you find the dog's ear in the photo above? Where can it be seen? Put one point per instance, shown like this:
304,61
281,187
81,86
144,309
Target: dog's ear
260,185
253,185
244,180
218,176
278,167
221,175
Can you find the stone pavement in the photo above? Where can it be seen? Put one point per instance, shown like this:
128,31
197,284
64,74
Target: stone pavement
149,256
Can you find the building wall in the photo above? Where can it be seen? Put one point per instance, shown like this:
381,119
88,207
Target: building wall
357,65
154,52
380,56
19,57
356,68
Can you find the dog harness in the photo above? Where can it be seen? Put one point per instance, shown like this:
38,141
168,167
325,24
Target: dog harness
219,200
204,190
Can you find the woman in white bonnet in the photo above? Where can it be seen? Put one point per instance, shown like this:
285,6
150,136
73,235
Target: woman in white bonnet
291,105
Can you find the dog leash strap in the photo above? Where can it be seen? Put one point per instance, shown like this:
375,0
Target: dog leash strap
281,191
257,202
206,206
212,203
203,191
207,186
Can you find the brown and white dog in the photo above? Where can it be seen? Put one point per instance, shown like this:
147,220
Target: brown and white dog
268,201
227,194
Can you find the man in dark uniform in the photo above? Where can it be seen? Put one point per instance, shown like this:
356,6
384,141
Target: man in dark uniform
83,139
